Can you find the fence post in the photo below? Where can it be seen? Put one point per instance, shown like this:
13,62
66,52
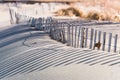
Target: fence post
55,30
78,37
95,36
52,30
109,44
11,16
86,37
63,33
115,43
72,35
50,21
48,25
43,23
33,22
68,35
91,38
45,26
99,36
75,35
104,40
36,25
82,38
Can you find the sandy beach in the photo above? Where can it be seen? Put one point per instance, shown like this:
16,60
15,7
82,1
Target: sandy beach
30,54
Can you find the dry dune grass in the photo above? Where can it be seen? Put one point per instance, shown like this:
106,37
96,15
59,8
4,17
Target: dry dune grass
92,15
110,10
107,10
117,18
71,11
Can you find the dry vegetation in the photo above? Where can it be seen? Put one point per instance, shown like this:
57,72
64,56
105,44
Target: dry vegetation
71,11
92,15
105,10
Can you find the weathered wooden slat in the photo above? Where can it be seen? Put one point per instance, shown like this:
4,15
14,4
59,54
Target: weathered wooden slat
72,35
75,36
95,36
115,43
82,38
99,36
86,37
91,38
63,33
104,41
68,35
78,37
109,43
56,31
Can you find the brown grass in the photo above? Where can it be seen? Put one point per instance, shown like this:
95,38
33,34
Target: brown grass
116,18
71,11
93,15
110,10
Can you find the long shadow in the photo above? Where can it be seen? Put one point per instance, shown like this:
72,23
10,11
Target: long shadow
72,57
42,58
21,57
14,59
13,28
23,65
81,59
8,34
101,59
39,63
57,59
93,56
17,60
112,60
8,42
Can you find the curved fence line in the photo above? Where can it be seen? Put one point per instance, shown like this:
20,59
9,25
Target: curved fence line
66,31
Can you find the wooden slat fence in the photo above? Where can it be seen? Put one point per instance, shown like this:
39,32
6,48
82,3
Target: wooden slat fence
72,34
81,37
